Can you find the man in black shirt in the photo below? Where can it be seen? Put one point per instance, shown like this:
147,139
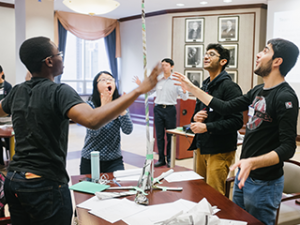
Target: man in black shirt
36,186
216,135
270,133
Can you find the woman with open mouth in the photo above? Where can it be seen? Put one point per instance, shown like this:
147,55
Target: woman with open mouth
107,139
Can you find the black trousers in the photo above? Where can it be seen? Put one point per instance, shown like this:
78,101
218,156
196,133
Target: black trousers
164,118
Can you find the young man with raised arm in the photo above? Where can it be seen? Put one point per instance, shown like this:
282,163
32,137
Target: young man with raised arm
216,134
165,109
270,133
36,186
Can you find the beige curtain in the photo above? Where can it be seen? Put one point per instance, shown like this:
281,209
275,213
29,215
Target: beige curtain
87,27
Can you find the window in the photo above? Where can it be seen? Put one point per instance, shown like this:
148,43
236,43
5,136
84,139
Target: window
83,60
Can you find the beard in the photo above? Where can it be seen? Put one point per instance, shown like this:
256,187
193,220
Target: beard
265,70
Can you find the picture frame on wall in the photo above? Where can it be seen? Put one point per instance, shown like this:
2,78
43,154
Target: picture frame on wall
233,75
233,55
193,56
228,28
195,76
194,28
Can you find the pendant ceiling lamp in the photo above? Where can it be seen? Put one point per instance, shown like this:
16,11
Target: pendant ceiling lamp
91,7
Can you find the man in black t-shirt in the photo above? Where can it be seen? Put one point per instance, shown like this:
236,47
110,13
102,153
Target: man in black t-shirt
270,133
36,186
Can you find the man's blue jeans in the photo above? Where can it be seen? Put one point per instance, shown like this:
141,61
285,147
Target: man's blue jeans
37,201
260,198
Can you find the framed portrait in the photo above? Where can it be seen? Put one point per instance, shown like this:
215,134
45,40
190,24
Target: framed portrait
193,56
233,75
233,55
228,28
195,76
194,28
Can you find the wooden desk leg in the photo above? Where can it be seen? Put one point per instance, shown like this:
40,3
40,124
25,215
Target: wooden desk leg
11,146
173,151
194,159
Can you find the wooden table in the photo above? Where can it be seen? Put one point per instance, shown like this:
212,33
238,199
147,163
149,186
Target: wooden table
194,191
175,132
8,132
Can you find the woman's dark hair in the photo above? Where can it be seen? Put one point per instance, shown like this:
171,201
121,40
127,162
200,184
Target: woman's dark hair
33,51
95,97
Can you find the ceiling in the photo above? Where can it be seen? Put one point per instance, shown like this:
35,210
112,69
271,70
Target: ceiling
133,7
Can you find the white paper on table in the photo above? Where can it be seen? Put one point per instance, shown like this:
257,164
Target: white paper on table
126,173
129,178
202,206
183,176
232,222
122,209
201,213
159,212
96,203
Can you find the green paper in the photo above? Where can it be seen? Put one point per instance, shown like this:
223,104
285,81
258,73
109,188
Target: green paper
149,156
88,187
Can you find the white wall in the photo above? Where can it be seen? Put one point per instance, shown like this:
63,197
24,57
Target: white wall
7,43
159,46
158,35
290,6
33,18
29,18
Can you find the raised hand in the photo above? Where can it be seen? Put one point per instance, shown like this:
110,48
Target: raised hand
183,81
136,80
149,83
106,97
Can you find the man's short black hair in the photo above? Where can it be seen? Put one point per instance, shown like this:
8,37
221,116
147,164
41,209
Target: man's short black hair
168,60
223,52
33,51
286,50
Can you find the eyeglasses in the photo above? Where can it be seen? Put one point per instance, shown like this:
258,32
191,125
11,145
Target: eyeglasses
211,54
106,80
60,53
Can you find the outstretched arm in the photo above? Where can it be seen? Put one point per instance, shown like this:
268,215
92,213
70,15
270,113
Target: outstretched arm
95,118
186,84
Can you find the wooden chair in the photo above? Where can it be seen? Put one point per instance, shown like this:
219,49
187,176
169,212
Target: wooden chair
4,220
289,209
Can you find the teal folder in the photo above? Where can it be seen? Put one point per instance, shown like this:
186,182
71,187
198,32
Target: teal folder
88,187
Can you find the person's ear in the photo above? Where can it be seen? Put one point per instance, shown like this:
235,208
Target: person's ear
49,62
223,62
277,62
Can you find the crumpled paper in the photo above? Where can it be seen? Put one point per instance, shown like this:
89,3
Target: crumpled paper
200,214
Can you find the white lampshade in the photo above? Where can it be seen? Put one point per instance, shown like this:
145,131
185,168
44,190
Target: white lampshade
91,7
